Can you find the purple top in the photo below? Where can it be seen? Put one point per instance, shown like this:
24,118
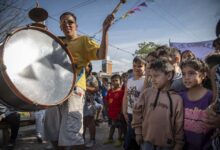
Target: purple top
197,136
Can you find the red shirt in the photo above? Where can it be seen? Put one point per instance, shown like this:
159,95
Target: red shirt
114,102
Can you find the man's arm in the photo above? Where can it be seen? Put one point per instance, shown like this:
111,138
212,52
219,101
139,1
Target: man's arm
103,50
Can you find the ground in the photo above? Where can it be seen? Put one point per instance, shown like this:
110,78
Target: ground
27,140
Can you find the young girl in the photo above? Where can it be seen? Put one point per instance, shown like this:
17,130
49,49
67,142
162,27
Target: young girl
158,114
114,107
196,100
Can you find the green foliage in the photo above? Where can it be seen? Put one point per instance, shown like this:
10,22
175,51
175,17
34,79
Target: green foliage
146,47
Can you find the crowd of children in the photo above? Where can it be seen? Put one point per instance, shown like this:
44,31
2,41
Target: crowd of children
166,102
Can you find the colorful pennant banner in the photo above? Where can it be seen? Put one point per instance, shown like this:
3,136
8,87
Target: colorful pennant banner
129,12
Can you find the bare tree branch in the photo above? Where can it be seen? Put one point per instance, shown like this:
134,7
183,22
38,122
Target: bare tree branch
12,14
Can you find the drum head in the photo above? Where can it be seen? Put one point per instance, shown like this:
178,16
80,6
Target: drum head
38,66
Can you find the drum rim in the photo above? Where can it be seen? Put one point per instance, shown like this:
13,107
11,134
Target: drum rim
11,85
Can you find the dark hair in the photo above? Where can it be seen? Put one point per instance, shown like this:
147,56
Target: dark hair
105,79
116,76
124,74
68,13
216,44
152,54
163,51
138,59
187,51
163,66
90,68
213,59
196,63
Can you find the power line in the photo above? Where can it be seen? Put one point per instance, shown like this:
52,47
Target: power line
22,9
177,20
77,6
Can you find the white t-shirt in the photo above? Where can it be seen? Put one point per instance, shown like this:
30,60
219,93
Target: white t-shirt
134,88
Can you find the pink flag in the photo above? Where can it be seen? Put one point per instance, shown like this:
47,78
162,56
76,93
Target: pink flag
130,12
136,9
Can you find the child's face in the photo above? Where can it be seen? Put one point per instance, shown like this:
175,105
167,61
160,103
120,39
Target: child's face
138,69
124,78
104,82
115,83
160,79
191,77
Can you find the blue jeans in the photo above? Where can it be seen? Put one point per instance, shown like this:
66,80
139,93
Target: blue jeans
130,142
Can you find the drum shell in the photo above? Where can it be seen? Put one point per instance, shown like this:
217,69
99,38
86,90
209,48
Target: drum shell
10,95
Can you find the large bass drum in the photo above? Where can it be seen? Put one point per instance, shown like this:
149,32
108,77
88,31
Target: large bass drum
36,70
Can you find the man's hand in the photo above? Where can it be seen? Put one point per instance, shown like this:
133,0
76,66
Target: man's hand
107,22
139,139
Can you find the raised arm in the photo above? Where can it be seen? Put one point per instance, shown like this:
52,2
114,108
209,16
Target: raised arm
103,50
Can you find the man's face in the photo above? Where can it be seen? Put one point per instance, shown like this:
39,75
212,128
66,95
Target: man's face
68,25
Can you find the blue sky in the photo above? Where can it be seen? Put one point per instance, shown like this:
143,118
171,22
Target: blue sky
159,22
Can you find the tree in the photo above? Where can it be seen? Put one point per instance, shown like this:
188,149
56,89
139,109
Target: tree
146,47
12,15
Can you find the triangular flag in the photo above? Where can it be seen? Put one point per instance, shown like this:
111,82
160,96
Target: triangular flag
143,4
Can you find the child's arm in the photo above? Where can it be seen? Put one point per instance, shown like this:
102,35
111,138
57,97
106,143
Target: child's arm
178,132
125,104
138,118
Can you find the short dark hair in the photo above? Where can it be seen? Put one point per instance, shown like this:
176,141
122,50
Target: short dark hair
162,65
152,53
163,51
138,59
116,76
68,13
213,59
216,44
105,79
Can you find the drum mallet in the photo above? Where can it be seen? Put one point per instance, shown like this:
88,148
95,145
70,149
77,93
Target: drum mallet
118,6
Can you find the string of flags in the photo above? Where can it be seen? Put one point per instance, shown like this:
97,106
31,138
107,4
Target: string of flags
129,12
